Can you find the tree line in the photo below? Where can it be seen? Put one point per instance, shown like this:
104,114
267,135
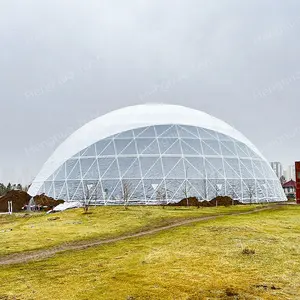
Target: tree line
9,187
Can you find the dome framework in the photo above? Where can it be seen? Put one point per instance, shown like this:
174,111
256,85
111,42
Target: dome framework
176,155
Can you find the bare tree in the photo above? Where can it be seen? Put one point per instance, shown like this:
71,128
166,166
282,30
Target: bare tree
87,200
161,196
205,192
186,188
282,180
126,192
218,188
251,190
232,192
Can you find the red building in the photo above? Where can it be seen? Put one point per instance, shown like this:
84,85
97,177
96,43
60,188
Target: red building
297,169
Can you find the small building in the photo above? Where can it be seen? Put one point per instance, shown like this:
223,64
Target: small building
289,188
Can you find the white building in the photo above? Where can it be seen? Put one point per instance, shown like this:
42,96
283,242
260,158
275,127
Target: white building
277,168
290,173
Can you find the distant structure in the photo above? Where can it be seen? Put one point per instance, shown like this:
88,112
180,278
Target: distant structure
289,188
277,168
290,173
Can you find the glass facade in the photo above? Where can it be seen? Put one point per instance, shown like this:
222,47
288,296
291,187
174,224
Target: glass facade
164,163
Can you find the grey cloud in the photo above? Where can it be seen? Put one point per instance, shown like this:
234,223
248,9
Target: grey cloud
148,51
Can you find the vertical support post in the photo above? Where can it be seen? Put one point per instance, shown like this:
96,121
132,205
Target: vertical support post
9,204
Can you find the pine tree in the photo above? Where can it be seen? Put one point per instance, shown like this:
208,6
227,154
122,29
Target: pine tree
2,189
9,187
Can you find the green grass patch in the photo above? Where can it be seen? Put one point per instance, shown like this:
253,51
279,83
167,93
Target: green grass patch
21,232
203,260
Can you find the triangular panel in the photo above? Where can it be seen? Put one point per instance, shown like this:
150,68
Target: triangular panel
175,148
172,186
143,143
257,168
177,172
232,168
133,171
227,148
104,163
223,137
155,171
61,175
92,173
51,191
79,192
125,134
246,168
241,150
137,191
198,188
122,144
147,133
194,167
63,193
70,165
169,163
90,151
125,163
130,149
207,134
109,150
168,131
75,173
147,163
166,143
112,172
152,148
85,164
181,190
188,132
101,145
58,185
191,146
214,167
211,147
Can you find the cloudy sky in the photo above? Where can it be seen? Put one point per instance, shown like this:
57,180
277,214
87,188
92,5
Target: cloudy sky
64,63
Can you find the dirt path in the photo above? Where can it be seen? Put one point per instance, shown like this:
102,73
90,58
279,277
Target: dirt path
25,257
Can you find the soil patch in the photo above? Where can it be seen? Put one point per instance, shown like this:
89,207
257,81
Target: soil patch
20,199
217,201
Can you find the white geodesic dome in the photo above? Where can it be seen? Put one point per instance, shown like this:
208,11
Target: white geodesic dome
156,147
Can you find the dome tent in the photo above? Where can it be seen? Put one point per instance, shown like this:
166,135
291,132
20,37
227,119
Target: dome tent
153,152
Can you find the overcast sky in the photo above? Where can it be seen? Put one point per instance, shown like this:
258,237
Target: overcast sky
64,63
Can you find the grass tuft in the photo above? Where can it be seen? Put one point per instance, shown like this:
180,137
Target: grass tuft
248,251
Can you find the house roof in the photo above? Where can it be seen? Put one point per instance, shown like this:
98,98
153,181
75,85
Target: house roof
290,183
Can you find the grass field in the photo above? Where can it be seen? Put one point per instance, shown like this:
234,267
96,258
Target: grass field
206,260
36,231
